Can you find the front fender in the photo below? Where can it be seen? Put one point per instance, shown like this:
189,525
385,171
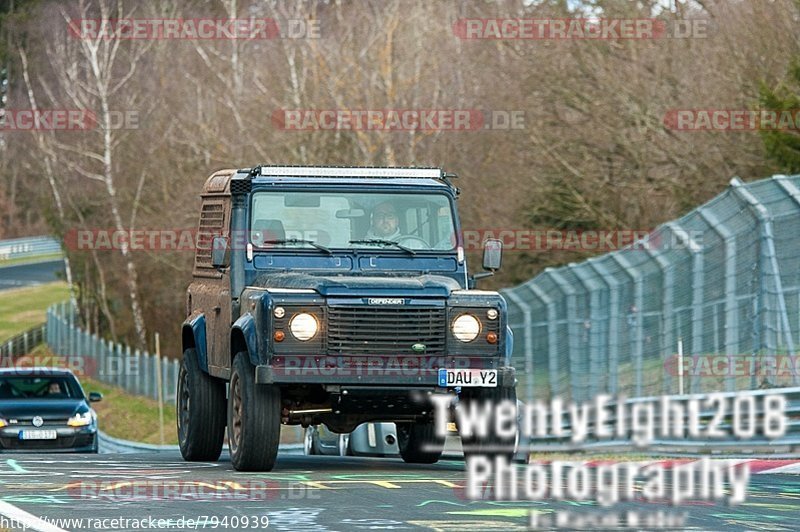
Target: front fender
194,329
244,329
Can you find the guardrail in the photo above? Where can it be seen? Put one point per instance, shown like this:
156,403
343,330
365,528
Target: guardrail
22,343
789,443
116,364
28,247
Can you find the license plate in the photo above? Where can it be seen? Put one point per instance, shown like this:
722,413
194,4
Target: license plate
37,435
474,378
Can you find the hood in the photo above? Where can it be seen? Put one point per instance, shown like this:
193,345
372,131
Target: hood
349,285
46,408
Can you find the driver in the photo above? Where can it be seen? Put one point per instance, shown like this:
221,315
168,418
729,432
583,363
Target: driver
385,222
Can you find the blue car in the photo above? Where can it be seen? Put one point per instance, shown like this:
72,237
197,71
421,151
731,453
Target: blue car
45,410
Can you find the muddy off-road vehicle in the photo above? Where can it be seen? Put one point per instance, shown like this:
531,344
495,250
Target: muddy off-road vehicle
338,296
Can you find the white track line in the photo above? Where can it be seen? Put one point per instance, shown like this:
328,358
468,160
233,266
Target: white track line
789,468
29,521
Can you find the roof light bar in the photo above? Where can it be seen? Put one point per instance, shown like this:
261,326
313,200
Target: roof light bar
331,171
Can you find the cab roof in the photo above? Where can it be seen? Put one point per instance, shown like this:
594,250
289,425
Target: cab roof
221,182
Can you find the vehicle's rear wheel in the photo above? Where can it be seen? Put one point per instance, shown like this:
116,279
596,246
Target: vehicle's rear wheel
493,444
201,411
418,443
254,419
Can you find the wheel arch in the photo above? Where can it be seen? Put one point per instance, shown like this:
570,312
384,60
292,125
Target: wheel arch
193,336
243,338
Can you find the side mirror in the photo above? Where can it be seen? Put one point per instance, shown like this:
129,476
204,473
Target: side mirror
492,254
95,397
220,252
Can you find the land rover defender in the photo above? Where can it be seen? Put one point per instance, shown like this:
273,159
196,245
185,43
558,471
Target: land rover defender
336,296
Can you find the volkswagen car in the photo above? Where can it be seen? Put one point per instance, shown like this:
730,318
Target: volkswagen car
46,410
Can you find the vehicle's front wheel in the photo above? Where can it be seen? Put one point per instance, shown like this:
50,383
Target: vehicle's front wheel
254,419
201,411
494,443
418,443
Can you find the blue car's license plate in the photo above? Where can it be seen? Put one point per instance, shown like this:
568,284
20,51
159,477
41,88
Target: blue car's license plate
37,435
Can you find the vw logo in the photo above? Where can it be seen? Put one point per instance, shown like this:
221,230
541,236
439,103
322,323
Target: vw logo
38,421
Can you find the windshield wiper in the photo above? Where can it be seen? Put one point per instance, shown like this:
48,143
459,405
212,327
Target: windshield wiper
381,242
299,241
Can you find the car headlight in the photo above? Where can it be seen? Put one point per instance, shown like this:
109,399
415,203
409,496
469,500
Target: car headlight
3,423
466,327
80,420
303,326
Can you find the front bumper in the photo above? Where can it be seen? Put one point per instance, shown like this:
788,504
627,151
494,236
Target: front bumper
370,375
68,440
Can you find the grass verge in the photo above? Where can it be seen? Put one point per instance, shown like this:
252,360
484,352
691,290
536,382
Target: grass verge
23,308
130,417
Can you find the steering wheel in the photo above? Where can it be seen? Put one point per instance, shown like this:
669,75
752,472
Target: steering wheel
413,242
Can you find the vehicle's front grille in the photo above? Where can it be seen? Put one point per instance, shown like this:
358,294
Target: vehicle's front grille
69,442
362,330
46,422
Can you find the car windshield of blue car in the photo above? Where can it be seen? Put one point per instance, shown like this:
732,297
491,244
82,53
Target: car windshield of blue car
39,387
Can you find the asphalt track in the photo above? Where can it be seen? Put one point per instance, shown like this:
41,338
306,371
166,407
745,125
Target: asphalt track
322,493
31,273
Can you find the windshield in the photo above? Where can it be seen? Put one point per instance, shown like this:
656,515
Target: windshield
391,221
39,387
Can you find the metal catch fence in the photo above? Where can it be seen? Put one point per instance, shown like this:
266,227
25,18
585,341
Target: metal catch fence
709,302
133,370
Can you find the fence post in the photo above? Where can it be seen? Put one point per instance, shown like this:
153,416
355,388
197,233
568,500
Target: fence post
768,258
146,373
637,317
698,287
790,188
577,384
525,307
70,335
731,311
66,323
108,355
48,327
552,336
613,323
591,287
667,297
138,365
